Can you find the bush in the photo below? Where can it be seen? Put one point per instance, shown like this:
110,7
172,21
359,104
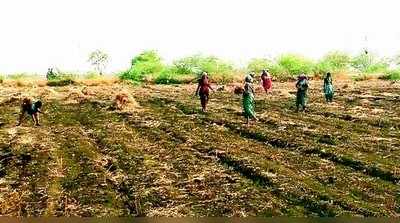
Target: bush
61,78
145,64
392,75
333,62
168,75
369,63
1,79
259,64
60,82
197,63
294,65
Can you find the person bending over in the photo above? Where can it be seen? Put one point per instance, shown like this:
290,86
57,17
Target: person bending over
32,109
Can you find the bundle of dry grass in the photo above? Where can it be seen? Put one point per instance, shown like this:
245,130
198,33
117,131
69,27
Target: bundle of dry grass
121,100
124,101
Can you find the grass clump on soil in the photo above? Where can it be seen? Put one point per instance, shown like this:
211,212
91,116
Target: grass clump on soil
61,82
60,78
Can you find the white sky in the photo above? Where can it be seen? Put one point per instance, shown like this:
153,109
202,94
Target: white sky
37,34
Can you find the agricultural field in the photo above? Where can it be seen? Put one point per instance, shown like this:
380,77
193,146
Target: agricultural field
161,156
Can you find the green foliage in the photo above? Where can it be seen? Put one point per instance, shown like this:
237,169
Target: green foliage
392,74
169,76
61,78
333,62
99,60
295,64
145,64
51,75
197,63
369,63
60,82
1,79
259,64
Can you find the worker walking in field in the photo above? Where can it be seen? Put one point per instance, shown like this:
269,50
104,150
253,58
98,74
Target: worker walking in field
32,109
266,81
203,90
301,96
328,88
248,100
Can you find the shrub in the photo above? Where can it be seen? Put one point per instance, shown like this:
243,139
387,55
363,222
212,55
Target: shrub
145,64
168,76
61,78
392,74
60,82
294,64
1,79
197,63
369,63
333,62
259,64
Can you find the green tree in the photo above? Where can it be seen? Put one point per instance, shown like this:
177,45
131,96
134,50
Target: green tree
99,60
259,64
295,64
146,63
369,63
333,62
197,63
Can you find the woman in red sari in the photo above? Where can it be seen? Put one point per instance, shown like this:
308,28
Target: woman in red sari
203,91
266,80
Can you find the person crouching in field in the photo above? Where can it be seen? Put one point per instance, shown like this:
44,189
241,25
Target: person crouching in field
248,100
203,90
32,109
328,88
301,96
266,81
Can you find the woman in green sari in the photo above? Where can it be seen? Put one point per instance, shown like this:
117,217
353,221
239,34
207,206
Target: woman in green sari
328,88
248,100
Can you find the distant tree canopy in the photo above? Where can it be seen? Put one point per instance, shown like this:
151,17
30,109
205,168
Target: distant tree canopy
259,64
335,61
197,63
99,60
146,63
295,64
369,63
